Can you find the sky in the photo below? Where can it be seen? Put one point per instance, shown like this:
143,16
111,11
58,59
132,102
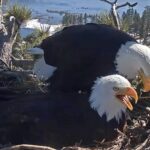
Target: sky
39,7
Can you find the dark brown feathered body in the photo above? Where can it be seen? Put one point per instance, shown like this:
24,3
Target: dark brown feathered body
81,53
55,119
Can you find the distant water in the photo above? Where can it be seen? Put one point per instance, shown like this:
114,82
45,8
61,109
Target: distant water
39,7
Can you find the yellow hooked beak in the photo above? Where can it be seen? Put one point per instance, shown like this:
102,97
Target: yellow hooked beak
145,80
123,95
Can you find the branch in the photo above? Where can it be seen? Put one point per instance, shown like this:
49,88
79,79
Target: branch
126,4
15,37
143,144
111,3
28,147
115,2
11,27
8,68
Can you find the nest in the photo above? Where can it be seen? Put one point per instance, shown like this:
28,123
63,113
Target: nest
21,82
136,136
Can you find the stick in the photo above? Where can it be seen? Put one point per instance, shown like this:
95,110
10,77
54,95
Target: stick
142,145
27,147
126,4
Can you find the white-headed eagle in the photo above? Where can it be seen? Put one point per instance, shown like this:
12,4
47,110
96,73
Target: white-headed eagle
62,119
81,53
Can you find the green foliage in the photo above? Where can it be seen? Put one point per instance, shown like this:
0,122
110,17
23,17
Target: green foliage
66,19
127,19
36,37
30,41
21,13
69,19
136,22
145,24
105,18
131,21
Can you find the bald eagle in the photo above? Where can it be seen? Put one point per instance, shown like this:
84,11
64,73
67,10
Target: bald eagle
81,53
63,119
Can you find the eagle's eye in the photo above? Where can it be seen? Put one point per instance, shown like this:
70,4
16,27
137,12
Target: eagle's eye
115,88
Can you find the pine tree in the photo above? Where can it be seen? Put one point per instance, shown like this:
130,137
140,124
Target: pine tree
136,22
145,24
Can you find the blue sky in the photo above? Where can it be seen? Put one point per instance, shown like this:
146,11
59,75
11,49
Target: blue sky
39,7
77,5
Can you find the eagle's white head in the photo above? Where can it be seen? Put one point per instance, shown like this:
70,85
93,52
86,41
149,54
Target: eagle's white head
134,59
110,96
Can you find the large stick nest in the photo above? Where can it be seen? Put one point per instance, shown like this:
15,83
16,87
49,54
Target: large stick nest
136,136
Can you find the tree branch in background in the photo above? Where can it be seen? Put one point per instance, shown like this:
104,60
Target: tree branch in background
126,4
115,2
28,147
9,30
107,2
114,8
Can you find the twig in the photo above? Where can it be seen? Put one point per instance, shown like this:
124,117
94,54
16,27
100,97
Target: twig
111,3
142,145
114,8
119,6
126,4
5,63
27,147
121,133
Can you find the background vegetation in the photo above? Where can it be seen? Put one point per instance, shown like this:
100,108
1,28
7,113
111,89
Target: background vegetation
132,22
18,81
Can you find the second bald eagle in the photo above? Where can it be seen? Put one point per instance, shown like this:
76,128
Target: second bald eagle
83,52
